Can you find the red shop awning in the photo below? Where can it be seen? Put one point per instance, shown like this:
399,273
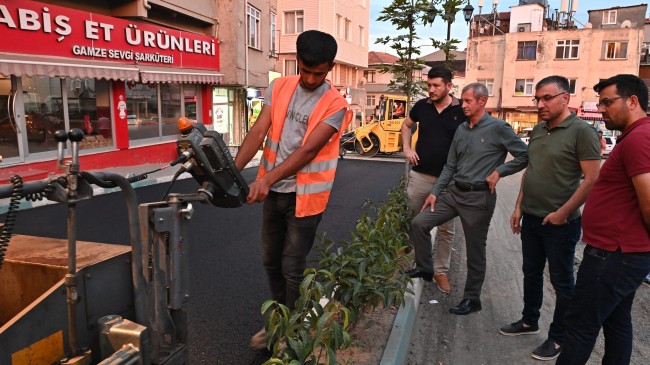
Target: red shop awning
167,74
31,65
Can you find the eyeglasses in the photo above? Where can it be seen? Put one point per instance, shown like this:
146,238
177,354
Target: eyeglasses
608,101
546,98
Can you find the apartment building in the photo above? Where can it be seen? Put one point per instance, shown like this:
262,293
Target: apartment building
248,32
348,22
510,64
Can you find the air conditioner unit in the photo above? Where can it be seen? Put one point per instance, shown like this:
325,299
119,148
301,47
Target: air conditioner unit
521,29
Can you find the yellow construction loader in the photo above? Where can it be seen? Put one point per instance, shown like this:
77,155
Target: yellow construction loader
383,134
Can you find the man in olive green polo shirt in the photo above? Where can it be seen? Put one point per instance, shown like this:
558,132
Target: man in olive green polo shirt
560,150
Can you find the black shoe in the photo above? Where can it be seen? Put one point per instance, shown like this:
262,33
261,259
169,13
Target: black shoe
547,351
466,306
415,273
518,328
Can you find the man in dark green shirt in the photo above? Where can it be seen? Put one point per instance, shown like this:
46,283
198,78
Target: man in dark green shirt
560,150
474,166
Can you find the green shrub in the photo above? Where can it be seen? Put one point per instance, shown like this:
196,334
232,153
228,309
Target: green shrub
361,274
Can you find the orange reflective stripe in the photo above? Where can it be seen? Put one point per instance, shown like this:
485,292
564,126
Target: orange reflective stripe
311,204
315,177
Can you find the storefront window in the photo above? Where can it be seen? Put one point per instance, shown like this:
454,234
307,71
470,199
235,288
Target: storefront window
171,108
142,110
8,127
43,102
89,110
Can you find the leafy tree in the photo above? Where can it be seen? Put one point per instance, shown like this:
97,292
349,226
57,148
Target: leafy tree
405,15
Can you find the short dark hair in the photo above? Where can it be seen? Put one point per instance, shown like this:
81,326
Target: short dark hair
561,82
440,71
627,85
315,47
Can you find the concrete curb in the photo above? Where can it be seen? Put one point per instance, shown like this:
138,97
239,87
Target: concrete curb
400,335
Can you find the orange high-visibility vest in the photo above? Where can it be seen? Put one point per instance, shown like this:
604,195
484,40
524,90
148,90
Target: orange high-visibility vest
314,181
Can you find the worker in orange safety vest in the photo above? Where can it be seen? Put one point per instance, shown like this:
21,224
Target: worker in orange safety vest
302,119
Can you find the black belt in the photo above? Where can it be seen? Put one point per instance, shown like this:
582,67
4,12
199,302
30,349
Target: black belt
602,253
480,186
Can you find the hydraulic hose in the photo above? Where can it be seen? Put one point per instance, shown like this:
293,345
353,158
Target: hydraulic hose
109,179
10,217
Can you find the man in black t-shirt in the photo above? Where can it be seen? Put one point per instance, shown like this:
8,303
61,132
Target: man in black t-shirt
437,116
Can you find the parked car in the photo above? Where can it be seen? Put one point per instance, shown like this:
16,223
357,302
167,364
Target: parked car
611,142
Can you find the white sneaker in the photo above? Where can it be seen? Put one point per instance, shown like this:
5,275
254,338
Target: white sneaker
258,341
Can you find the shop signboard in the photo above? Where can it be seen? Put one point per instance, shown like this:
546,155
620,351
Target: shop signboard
30,27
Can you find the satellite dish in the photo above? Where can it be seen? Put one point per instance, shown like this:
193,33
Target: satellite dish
362,81
589,26
626,24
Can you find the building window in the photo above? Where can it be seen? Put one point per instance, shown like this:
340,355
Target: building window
645,53
567,49
272,38
489,83
526,50
572,86
339,25
362,42
293,22
348,25
253,27
370,100
370,76
342,74
609,17
523,87
290,67
615,50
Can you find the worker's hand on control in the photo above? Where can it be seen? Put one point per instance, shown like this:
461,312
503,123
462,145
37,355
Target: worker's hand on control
492,180
258,191
412,157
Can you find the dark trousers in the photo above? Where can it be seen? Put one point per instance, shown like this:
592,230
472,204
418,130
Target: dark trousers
475,209
555,244
603,296
286,242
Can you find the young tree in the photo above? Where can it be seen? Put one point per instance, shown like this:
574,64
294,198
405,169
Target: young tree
405,15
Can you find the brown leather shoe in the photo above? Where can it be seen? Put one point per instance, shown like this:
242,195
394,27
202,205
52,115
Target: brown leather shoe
442,282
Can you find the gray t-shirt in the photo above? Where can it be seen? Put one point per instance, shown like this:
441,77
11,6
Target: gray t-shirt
295,126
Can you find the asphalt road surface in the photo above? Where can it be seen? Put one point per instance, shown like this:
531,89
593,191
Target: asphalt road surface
228,283
440,338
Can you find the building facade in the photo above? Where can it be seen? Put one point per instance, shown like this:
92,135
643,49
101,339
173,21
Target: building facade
123,72
511,64
348,22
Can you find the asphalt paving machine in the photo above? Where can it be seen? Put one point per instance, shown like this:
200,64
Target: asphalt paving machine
70,302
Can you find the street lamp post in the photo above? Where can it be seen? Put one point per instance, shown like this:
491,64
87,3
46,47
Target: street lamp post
449,16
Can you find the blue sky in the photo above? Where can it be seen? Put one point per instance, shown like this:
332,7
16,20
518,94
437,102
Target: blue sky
460,29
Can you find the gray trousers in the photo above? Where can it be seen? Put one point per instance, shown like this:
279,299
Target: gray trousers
475,209
419,188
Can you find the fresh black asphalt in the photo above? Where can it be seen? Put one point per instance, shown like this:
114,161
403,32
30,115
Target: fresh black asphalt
228,283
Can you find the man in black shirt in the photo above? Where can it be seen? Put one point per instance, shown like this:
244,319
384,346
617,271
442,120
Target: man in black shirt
437,116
